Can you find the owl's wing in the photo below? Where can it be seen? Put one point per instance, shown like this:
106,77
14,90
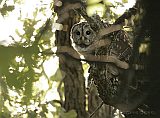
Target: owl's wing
123,89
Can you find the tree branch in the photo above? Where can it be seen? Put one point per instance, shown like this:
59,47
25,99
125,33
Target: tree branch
97,44
40,33
88,57
110,29
96,109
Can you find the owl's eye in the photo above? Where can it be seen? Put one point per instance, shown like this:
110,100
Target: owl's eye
77,33
88,32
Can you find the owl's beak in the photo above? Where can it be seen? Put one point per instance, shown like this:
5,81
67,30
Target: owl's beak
82,38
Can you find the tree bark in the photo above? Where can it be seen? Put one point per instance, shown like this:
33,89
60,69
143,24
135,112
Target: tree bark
74,81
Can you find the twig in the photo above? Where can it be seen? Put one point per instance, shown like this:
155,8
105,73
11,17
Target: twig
93,58
64,13
89,57
94,21
40,33
57,101
92,114
59,91
2,3
106,58
110,29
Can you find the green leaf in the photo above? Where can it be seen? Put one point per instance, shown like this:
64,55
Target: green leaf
97,8
70,114
125,1
29,28
59,75
93,1
10,8
108,3
44,108
32,114
5,113
6,9
42,114
3,86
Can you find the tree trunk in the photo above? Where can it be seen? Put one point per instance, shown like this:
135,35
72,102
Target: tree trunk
74,81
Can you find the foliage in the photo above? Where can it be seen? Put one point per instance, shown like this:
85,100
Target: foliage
22,64
6,8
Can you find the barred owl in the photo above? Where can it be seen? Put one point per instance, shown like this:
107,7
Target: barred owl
82,35
112,82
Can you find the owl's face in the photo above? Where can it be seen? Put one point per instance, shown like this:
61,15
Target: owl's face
82,35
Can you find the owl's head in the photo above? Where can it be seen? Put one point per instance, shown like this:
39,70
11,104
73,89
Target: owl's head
82,35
